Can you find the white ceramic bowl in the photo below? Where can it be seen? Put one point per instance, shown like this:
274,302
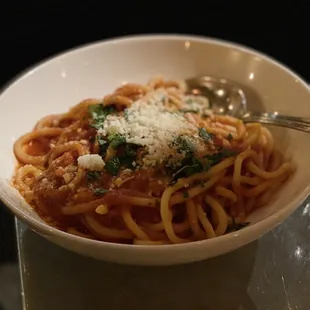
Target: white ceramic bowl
97,69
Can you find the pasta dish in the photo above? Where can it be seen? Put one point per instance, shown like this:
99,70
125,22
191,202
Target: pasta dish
147,165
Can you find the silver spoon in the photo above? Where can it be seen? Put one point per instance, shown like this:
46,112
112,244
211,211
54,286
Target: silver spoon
226,97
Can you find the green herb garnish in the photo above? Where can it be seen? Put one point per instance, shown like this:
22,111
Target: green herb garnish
93,176
185,194
113,166
206,135
129,156
191,166
100,191
126,158
116,140
103,146
184,146
215,158
131,149
99,113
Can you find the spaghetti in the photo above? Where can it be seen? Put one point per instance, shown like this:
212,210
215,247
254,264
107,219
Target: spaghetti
147,164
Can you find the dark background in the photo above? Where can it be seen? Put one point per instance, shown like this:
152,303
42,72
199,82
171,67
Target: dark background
32,30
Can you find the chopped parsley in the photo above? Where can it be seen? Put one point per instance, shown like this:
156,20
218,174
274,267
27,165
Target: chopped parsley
185,194
190,166
184,146
113,166
126,157
116,140
131,149
215,158
93,176
99,191
103,146
206,135
99,113
129,156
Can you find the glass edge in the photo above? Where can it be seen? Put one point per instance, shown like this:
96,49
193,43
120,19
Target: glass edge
20,267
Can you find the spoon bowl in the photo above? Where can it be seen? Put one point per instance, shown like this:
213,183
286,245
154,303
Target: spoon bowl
228,98
225,96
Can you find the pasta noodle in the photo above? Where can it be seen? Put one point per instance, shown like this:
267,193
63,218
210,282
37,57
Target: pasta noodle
147,165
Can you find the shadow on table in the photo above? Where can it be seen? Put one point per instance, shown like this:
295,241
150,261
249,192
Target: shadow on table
58,279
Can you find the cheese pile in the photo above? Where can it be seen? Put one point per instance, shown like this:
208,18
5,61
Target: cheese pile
149,124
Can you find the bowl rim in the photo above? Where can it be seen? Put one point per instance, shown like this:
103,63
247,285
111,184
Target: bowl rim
265,225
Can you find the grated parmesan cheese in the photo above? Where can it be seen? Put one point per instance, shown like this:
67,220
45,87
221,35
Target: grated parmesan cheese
92,162
149,124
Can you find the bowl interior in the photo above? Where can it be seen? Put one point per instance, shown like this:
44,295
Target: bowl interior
95,70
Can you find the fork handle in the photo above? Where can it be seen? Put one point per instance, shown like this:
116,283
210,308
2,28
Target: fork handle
292,122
